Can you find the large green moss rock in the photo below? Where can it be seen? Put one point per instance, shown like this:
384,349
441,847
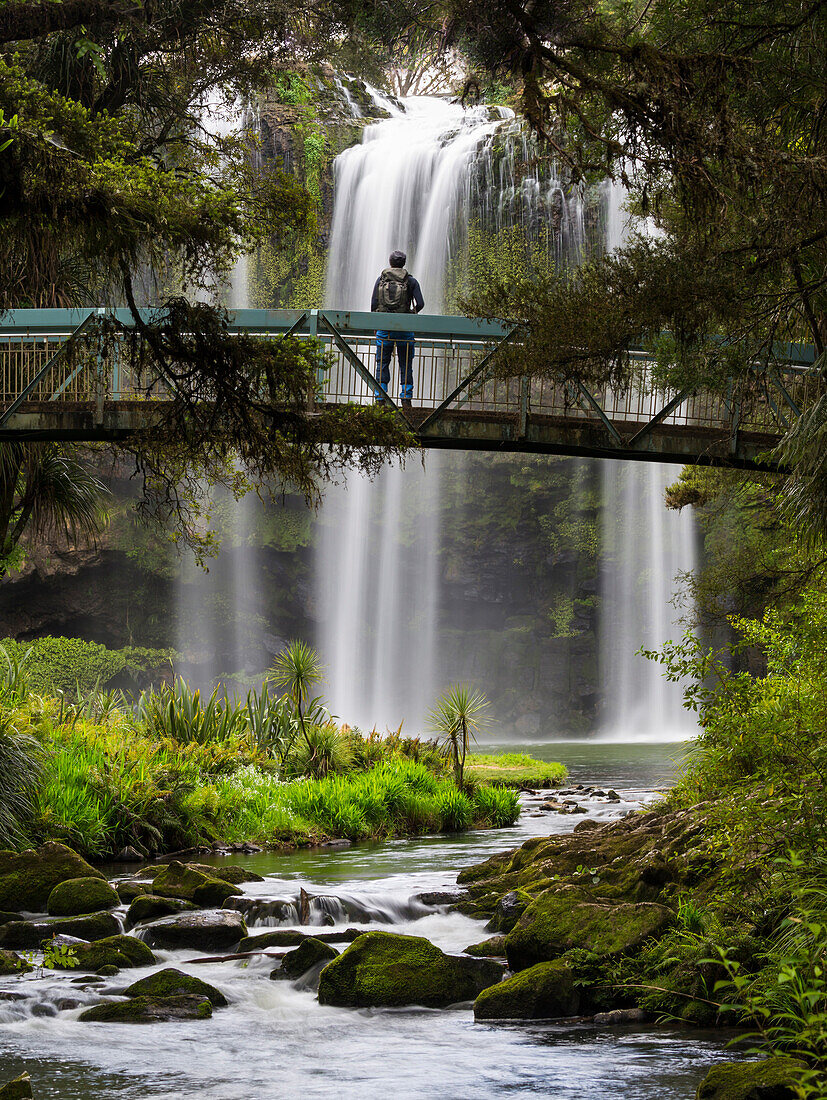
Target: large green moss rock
542,992
150,907
177,880
495,947
30,934
27,878
232,873
380,968
559,920
150,1010
120,951
12,963
174,983
772,1079
18,1089
310,953
81,895
289,937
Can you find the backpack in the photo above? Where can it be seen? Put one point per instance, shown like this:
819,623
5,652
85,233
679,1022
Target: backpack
393,294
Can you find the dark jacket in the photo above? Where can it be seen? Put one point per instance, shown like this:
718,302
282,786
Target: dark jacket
414,291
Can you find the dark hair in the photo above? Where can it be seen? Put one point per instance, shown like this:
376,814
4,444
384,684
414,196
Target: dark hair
397,258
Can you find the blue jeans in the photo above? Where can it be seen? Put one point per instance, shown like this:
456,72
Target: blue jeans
405,348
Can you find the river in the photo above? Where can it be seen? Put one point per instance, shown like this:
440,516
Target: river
275,1041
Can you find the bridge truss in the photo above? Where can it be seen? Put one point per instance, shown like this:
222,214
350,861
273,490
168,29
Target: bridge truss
47,395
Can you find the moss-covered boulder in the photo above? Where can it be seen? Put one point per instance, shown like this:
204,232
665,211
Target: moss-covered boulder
542,992
772,1079
508,911
487,949
81,895
120,951
381,968
174,983
150,907
18,1089
30,934
232,873
150,1010
6,915
210,930
12,963
27,878
177,880
311,953
131,888
559,920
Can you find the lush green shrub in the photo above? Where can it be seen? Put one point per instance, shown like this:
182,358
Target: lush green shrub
68,664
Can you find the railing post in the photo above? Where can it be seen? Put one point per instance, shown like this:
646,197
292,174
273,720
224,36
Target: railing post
524,402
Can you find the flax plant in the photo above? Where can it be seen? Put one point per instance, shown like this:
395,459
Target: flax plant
458,716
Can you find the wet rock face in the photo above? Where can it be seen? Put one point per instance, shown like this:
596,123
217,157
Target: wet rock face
211,930
150,1010
12,963
292,938
771,1079
546,991
81,895
510,908
28,878
29,934
175,983
383,969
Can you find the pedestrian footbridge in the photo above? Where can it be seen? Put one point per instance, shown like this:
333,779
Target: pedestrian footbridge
46,394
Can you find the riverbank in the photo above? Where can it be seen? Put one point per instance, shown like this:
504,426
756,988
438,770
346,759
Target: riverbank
399,886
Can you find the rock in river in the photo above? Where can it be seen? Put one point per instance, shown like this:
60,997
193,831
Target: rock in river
119,951
27,878
173,983
381,968
81,895
179,880
311,953
209,930
31,933
771,1079
18,1089
150,1010
150,907
543,992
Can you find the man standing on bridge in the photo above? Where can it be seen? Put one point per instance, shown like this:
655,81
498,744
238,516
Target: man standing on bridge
395,291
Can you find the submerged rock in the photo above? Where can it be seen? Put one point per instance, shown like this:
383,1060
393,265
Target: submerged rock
312,953
131,888
772,1079
545,991
81,895
27,878
381,968
172,983
488,948
18,1089
289,937
150,1010
31,933
559,920
210,930
179,880
120,951
150,907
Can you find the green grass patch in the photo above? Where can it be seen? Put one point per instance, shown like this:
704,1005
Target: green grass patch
514,769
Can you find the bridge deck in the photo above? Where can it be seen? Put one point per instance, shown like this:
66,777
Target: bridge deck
457,403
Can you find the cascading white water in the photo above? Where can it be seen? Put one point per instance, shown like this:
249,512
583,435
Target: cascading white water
408,185
645,548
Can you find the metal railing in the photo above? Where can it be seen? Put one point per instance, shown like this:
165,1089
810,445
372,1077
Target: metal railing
448,351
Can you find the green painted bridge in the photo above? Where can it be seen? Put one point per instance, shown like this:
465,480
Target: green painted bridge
47,395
